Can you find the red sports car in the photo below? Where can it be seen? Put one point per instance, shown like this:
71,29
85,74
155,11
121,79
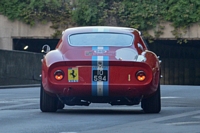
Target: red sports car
100,64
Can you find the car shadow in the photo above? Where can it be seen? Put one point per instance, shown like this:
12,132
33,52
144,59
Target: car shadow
101,111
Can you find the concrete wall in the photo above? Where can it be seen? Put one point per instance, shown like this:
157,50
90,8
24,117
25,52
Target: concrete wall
19,68
192,32
17,29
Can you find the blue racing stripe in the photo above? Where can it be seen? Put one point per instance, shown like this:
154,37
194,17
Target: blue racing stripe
103,88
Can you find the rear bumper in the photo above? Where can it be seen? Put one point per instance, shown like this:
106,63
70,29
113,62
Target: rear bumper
111,100
89,90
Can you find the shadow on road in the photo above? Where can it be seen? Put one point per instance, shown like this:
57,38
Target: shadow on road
101,111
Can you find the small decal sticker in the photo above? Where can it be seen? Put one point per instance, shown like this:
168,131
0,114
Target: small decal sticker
88,53
72,74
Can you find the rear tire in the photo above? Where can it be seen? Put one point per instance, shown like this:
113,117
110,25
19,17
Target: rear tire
152,104
47,103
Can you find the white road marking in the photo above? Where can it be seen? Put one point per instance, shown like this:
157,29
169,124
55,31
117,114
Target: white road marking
176,116
19,100
67,132
16,106
170,97
18,103
196,117
184,123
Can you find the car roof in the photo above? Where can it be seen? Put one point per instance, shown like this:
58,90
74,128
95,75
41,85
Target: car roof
100,29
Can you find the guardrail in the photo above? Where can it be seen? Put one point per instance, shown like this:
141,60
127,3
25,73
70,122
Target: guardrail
19,68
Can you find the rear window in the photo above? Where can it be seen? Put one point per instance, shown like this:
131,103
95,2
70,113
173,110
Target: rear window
101,39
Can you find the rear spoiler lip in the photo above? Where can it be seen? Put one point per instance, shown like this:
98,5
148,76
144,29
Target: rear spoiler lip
111,63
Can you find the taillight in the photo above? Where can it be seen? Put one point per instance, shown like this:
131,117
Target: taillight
140,75
59,75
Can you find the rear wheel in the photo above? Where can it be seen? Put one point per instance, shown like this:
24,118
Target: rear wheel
47,103
152,104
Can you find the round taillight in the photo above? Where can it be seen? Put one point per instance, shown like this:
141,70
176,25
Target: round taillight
59,75
140,75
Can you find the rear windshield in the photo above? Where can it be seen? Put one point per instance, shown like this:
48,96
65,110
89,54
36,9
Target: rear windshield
100,39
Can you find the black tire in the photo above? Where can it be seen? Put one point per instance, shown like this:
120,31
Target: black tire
152,104
47,103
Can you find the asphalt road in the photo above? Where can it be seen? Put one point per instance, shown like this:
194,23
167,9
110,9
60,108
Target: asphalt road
19,113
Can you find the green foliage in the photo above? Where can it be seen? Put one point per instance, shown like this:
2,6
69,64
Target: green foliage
140,14
58,12
88,12
182,14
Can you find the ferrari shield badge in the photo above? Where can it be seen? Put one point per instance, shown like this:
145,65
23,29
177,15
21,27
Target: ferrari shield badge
72,74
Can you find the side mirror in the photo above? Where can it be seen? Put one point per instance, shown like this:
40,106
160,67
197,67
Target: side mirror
45,49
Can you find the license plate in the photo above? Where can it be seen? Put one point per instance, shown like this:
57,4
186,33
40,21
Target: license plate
100,75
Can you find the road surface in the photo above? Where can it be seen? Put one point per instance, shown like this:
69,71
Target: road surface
20,113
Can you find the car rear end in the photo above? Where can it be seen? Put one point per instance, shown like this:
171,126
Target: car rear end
99,65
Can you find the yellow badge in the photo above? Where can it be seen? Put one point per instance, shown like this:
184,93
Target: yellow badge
72,74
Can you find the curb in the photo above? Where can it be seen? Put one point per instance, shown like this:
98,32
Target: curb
19,86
